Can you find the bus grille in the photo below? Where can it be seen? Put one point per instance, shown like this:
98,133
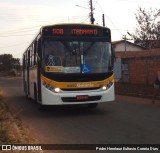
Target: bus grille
80,89
74,99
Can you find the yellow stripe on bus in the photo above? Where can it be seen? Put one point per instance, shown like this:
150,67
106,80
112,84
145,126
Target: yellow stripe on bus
65,85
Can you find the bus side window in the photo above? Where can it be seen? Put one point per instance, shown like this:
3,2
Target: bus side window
31,57
24,60
28,61
39,47
34,54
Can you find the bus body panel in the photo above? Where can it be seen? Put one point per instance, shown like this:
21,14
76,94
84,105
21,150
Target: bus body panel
109,94
51,98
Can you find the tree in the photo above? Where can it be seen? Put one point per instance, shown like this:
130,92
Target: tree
7,62
147,32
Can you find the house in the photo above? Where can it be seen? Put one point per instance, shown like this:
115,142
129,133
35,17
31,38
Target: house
135,64
139,67
123,45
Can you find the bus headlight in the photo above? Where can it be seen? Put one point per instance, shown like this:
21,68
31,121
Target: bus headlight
51,88
107,86
104,88
57,90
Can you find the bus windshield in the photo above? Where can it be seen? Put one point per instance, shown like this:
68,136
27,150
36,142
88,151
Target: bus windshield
76,56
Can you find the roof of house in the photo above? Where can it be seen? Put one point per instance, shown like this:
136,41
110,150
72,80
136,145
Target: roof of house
123,41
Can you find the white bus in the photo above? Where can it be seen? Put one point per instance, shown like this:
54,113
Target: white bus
69,64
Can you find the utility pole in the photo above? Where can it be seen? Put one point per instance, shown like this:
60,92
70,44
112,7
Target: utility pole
91,13
125,41
103,20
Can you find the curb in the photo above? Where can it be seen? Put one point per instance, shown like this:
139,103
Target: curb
137,95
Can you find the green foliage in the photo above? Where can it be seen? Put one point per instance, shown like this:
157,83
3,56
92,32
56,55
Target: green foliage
147,33
7,62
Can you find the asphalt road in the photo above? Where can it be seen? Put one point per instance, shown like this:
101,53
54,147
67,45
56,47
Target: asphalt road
128,120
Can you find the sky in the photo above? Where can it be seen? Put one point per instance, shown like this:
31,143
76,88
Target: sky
21,20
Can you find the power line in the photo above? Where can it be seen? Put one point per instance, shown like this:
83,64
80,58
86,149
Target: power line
20,30
122,29
134,1
84,20
13,45
35,18
108,18
29,29
17,35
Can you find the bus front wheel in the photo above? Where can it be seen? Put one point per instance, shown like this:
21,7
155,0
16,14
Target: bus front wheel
93,105
42,107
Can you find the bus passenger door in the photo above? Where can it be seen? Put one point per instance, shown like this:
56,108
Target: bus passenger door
24,73
39,67
28,83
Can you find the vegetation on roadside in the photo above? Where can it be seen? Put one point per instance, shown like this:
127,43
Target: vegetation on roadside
9,66
12,131
147,28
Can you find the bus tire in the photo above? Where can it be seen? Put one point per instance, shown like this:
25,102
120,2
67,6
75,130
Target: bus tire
26,92
42,107
93,105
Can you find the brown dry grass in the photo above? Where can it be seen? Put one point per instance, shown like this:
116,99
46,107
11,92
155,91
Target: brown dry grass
12,130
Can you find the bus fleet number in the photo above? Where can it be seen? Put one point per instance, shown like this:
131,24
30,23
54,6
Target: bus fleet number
58,31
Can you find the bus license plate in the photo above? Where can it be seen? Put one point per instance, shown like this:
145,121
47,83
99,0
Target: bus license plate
82,97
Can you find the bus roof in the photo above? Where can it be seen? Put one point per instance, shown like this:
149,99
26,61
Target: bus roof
73,24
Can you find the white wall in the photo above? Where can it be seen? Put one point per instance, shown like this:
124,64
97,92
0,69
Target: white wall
129,47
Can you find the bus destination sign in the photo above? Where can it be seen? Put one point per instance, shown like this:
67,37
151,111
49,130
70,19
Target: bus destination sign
76,32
